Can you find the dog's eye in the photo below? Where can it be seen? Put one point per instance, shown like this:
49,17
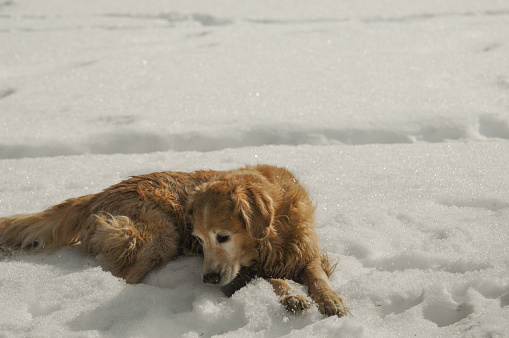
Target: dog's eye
222,239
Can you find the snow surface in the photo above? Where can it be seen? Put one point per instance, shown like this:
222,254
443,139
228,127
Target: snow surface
394,114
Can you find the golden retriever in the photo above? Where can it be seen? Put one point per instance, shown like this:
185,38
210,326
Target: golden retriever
254,221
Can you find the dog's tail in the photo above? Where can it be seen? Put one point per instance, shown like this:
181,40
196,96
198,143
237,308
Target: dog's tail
53,228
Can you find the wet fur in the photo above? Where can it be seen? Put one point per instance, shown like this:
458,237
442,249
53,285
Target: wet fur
145,221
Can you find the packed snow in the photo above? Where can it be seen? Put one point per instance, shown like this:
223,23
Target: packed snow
394,115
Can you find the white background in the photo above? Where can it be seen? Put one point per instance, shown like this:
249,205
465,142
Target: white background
394,114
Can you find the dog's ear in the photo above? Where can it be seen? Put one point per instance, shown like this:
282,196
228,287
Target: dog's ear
189,205
256,208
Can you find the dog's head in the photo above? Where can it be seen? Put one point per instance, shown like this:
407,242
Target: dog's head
229,215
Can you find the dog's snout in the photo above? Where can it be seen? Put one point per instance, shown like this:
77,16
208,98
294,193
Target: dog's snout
211,278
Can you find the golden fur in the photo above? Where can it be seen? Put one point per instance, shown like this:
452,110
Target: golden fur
254,221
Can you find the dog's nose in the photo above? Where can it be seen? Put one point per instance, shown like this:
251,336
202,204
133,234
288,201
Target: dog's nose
211,278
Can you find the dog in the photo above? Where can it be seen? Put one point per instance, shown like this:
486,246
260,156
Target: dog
255,221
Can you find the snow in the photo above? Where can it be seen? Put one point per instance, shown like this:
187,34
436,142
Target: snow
394,114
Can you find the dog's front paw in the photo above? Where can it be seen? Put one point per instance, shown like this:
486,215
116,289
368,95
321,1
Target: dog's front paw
296,304
331,304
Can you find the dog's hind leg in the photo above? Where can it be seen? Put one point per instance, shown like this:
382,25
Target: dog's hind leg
130,249
154,252
293,303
